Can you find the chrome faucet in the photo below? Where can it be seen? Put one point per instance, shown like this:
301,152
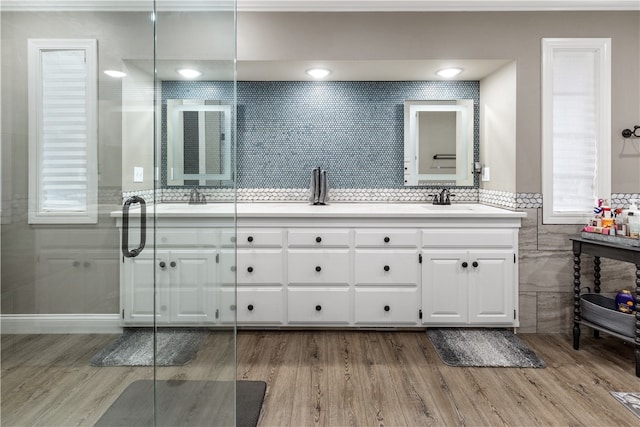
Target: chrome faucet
195,198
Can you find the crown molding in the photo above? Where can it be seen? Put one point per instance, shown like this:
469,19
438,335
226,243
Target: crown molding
322,5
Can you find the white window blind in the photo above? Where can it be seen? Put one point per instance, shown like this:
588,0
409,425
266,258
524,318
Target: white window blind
62,131
576,127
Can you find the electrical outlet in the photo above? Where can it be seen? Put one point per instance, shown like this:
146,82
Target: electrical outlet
486,173
138,174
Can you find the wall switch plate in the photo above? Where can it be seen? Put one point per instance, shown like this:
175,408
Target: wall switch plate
138,174
486,173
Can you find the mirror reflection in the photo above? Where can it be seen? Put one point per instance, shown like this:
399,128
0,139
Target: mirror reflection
198,142
438,142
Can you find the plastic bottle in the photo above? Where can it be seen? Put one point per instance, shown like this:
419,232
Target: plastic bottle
634,223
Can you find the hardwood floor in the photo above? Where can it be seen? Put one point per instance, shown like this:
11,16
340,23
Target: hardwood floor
335,378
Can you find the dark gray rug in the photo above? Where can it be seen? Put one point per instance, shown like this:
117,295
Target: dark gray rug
482,348
175,346
186,404
631,401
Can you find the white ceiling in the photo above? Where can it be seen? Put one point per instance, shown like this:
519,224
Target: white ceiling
323,5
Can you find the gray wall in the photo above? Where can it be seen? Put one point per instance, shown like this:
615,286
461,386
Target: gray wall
460,35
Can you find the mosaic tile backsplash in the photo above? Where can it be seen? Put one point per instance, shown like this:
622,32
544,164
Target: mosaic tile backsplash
354,130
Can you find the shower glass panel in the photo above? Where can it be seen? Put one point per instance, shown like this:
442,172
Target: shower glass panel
114,300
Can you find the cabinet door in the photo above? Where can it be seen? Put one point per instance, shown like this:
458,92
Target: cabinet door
60,275
260,267
319,305
194,286
491,287
260,305
137,288
444,287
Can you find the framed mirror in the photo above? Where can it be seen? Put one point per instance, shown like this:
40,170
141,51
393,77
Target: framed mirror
198,142
438,142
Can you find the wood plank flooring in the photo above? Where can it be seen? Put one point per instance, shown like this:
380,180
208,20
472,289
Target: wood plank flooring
334,378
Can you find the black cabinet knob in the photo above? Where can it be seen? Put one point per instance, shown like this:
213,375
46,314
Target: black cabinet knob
233,239
250,239
232,307
465,265
163,264
173,264
387,308
318,307
318,239
318,268
232,268
387,240
250,307
387,268
475,263
250,269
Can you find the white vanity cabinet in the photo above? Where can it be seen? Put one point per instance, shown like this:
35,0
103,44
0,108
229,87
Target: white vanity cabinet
469,277
386,277
185,268
319,265
342,265
260,276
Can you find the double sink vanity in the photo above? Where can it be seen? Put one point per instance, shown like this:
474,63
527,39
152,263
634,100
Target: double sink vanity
340,265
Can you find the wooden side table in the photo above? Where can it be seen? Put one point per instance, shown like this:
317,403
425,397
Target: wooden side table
600,249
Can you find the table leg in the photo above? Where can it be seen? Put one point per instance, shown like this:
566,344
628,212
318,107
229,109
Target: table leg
637,340
596,285
576,295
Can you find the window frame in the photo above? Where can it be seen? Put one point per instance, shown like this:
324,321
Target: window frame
602,47
36,214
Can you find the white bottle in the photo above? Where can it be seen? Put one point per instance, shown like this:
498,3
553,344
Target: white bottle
633,218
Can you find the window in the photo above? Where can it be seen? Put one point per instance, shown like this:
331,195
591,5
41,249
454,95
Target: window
62,131
576,127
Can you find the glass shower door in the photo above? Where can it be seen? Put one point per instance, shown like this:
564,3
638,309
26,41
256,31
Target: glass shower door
90,320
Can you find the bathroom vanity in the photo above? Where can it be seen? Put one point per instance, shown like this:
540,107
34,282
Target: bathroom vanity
341,265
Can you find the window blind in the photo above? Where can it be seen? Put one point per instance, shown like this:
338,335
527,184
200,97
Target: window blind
575,129
64,132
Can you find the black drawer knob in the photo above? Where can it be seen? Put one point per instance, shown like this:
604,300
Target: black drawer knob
465,265
387,240
318,307
387,268
318,239
173,264
387,308
250,269
250,239
318,268
233,268
232,307
163,264
475,263
250,307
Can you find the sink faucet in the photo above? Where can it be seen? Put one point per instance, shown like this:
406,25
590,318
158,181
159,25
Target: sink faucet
195,198
444,198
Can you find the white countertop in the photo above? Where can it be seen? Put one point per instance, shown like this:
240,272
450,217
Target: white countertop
334,210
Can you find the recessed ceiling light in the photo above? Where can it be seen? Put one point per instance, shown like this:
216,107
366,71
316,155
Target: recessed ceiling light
189,73
449,72
318,73
115,73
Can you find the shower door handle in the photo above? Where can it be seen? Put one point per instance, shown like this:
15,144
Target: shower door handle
125,227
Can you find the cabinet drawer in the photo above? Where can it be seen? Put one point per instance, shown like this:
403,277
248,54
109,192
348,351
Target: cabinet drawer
319,238
387,238
259,305
256,238
398,267
319,266
259,266
176,237
326,305
386,305
447,238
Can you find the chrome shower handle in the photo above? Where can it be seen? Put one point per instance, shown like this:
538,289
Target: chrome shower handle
125,226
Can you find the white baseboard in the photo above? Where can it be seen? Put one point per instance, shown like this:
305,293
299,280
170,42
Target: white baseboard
60,324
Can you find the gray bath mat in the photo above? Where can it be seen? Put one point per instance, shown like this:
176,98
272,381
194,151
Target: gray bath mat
631,401
186,404
482,348
175,346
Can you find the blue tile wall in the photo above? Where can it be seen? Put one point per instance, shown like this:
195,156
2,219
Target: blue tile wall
354,130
